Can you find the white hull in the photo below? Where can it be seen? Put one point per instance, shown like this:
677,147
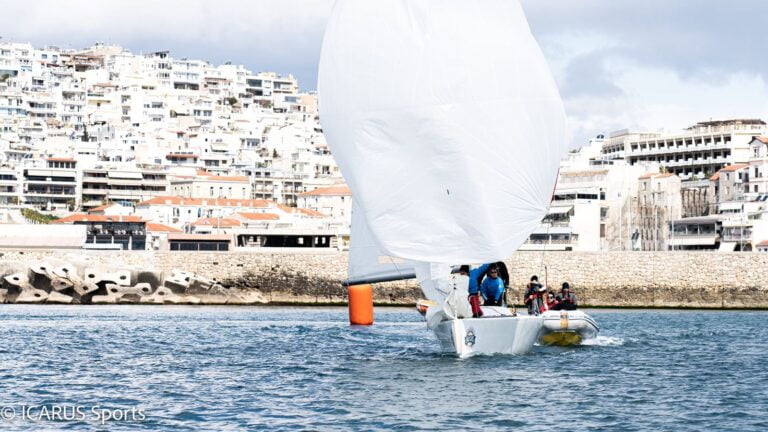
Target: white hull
567,328
488,335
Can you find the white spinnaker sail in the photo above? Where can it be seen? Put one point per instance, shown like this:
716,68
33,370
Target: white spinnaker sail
445,121
367,261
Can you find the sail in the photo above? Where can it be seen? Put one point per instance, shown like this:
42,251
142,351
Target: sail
367,262
446,123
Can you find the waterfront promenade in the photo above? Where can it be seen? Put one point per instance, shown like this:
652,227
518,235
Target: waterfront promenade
615,279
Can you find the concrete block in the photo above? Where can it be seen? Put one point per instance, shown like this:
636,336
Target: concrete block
119,277
41,275
177,285
65,271
84,292
140,289
17,279
60,284
182,274
105,299
32,295
162,295
42,268
59,298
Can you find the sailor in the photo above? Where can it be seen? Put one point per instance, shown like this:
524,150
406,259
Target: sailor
551,303
532,293
475,276
492,288
566,298
504,276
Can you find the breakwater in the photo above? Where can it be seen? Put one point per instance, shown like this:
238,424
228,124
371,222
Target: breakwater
622,279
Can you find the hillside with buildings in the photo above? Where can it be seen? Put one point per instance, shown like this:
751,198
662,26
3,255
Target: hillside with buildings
146,151
704,188
191,152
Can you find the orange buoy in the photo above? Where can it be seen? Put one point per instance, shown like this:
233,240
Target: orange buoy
361,304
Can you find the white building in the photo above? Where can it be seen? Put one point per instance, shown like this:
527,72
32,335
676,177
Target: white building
758,165
334,201
696,153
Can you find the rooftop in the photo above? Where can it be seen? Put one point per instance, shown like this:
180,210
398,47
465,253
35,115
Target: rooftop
259,216
82,217
336,190
156,227
217,222
210,202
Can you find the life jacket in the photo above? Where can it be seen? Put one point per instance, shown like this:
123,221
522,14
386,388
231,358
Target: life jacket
545,306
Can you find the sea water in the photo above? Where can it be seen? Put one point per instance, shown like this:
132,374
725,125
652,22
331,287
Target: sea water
242,368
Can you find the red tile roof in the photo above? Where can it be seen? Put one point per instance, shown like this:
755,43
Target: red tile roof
337,190
655,175
181,156
259,216
762,139
311,213
217,222
60,159
156,227
715,176
208,202
735,167
82,217
100,208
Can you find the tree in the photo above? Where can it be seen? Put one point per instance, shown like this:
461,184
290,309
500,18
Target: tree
274,154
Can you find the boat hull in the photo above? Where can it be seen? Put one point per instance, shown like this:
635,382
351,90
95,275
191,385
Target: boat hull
566,328
489,335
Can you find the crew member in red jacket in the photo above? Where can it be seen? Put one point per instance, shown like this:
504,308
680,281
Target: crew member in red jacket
550,304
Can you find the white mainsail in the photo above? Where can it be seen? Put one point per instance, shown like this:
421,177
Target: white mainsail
446,123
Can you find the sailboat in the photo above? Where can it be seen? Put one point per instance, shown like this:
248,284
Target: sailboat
448,127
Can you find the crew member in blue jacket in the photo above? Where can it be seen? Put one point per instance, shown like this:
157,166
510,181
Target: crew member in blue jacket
492,288
475,276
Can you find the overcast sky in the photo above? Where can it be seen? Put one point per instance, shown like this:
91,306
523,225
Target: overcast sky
647,64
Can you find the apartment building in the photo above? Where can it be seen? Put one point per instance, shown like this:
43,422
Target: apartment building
696,153
659,201
334,201
10,191
758,165
126,185
211,186
55,187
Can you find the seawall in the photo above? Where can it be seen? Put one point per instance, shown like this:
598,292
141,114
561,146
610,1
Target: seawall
621,279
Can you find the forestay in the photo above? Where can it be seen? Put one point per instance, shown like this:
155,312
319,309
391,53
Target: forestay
446,123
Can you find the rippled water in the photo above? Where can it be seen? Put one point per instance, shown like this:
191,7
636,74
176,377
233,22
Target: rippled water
220,369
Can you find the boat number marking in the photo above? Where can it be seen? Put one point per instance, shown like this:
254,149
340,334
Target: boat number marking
563,320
